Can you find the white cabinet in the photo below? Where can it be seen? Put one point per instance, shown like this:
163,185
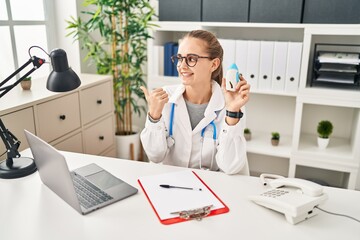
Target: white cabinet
295,111
78,121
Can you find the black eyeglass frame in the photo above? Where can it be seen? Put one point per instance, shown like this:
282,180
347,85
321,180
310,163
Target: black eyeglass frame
180,58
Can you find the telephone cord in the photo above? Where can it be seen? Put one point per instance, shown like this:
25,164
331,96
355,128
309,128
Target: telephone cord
338,214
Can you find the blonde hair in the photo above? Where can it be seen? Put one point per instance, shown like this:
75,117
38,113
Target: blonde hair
214,50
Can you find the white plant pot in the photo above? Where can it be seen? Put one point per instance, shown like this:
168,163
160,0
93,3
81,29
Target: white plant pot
128,146
323,142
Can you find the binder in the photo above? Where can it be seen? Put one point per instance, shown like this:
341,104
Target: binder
161,60
168,52
174,67
293,67
279,67
253,59
156,61
266,64
228,46
174,205
241,56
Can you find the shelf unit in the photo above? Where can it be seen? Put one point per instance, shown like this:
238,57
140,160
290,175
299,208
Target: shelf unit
293,115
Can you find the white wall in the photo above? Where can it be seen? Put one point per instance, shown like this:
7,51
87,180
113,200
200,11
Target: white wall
63,10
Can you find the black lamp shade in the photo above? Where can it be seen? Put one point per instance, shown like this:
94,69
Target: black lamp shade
62,78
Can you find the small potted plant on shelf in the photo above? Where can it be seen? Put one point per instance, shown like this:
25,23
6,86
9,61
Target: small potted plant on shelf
26,83
324,130
247,134
275,138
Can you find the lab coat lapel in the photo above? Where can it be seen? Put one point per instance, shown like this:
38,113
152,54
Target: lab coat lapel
182,116
217,103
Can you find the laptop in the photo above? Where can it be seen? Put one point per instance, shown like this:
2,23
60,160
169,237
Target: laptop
86,189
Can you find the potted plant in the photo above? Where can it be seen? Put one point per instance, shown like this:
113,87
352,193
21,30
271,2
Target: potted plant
324,130
247,134
26,83
123,26
275,138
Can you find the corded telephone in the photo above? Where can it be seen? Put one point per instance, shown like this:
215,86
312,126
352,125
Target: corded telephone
294,197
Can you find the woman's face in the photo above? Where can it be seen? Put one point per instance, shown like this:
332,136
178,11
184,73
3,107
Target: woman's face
200,74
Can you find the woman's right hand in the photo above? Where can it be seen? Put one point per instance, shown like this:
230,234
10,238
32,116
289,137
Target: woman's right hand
156,101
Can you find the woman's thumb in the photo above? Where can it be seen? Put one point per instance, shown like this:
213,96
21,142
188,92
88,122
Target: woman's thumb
145,91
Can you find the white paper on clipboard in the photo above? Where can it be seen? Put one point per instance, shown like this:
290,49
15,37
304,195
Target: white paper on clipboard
171,200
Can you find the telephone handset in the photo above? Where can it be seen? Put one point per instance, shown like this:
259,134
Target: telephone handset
294,197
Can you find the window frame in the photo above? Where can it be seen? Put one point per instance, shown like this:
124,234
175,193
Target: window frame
48,22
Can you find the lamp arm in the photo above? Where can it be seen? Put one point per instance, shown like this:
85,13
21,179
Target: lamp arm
11,143
37,62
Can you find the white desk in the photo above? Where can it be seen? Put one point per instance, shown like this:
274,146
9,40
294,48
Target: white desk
29,210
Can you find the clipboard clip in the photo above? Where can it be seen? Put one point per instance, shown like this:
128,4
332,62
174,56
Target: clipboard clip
197,213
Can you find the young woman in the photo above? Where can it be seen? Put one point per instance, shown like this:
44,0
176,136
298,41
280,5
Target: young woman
197,124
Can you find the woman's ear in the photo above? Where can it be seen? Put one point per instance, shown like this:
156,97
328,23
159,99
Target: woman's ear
215,64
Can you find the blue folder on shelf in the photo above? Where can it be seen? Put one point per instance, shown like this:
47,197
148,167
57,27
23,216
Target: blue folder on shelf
170,49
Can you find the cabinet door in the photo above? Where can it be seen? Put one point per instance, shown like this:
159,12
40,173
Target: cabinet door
99,136
16,122
96,102
58,117
71,144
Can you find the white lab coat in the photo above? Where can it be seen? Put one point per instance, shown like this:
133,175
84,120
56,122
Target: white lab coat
188,150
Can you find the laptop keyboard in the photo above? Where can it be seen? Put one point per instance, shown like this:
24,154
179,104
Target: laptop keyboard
88,194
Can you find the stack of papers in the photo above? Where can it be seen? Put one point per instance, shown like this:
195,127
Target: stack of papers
343,58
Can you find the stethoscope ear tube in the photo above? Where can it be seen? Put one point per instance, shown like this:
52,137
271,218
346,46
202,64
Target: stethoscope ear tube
171,119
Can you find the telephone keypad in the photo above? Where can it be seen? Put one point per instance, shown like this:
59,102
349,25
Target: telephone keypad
274,193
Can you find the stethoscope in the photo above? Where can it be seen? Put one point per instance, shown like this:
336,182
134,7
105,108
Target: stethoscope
171,140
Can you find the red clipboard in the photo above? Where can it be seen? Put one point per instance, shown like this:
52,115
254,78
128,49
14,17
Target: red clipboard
178,219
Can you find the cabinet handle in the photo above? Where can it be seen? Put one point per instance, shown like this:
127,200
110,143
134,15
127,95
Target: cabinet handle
252,76
62,117
292,79
265,76
278,78
101,138
99,101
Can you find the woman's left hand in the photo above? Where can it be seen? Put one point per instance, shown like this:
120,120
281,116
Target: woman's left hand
237,99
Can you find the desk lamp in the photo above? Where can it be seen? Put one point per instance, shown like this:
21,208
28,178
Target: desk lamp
61,79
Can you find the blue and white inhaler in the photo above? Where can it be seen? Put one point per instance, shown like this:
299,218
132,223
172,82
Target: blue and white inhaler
232,77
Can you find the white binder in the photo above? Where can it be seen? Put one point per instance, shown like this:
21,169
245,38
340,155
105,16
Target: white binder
253,59
279,67
293,67
266,64
158,60
228,46
241,56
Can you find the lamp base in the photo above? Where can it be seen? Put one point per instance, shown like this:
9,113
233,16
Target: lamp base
22,166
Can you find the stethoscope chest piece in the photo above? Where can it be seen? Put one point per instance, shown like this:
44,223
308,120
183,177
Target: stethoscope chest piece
170,141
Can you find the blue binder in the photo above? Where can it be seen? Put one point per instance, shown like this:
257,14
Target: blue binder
168,65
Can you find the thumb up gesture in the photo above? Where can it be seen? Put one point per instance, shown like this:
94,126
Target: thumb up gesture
156,100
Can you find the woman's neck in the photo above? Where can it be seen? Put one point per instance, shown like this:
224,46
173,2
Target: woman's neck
198,95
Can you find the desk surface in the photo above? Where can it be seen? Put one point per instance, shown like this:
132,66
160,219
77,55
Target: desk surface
29,210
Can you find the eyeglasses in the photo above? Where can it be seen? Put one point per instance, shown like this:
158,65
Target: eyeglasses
190,59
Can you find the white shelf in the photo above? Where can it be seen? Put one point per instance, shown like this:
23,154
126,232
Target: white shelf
260,143
338,150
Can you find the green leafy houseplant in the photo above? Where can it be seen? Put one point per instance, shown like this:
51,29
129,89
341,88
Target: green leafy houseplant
275,138
247,134
324,129
124,29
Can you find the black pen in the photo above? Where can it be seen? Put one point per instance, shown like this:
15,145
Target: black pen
188,188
